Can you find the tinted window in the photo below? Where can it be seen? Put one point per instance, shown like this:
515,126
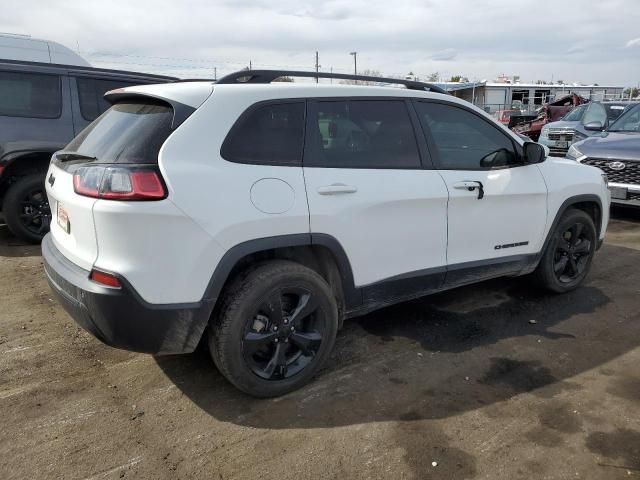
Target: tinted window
271,134
595,113
30,95
362,134
614,111
91,94
628,122
131,132
576,114
463,140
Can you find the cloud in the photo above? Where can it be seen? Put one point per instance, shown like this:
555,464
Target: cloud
445,55
633,43
477,39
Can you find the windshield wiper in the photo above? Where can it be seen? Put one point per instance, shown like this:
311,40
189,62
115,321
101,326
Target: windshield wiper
67,156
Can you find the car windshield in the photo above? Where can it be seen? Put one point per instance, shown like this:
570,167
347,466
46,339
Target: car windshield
576,114
629,121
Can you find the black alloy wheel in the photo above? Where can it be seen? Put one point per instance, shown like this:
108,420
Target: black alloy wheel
35,212
572,254
284,335
274,327
26,208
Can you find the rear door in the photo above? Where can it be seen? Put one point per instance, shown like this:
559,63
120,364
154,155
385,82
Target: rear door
367,188
497,205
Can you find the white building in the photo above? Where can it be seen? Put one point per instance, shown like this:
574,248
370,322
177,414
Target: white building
498,96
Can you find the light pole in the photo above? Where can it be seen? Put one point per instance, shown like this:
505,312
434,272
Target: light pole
355,62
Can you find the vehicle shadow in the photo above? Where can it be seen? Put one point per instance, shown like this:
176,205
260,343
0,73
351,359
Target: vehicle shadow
10,246
443,355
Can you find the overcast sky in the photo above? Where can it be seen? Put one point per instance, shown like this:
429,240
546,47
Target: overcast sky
572,40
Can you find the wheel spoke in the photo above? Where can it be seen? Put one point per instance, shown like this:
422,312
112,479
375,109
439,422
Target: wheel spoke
583,248
277,363
274,308
254,341
306,306
573,266
308,342
560,266
576,231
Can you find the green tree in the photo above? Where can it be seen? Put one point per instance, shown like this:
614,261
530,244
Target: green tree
458,78
633,92
433,77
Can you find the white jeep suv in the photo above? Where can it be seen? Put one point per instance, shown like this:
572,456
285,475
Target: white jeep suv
269,212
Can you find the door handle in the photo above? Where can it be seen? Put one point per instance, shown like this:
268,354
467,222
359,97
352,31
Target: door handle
336,188
471,186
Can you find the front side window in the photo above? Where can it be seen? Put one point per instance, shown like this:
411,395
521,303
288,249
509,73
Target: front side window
91,95
576,114
271,134
595,113
463,140
362,134
629,121
30,95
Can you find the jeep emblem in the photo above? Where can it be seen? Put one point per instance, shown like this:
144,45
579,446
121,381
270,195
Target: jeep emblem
616,166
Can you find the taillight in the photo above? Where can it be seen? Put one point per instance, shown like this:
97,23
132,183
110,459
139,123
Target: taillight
119,183
104,278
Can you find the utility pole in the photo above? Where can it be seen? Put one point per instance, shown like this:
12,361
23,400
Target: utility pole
250,66
317,65
215,73
355,62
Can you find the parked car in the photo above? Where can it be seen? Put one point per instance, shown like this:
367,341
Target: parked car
504,116
42,107
617,153
194,205
550,112
580,123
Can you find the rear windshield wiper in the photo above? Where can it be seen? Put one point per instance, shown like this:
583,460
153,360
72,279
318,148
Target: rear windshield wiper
67,156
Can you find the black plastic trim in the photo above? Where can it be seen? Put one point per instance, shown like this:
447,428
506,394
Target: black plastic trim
119,316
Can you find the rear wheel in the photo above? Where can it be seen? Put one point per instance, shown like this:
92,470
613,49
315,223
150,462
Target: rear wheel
26,208
275,328
567,258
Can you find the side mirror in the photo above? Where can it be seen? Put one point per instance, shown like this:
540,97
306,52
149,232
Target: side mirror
594,126
534,153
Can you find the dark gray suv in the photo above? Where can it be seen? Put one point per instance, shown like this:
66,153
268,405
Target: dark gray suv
617,153
42,107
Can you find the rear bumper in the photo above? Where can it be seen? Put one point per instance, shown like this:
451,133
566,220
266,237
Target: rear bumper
119,317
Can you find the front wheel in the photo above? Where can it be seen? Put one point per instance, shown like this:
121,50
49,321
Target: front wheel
567,258
275,328
26,208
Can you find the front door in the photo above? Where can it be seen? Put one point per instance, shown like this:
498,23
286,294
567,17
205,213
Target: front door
497,205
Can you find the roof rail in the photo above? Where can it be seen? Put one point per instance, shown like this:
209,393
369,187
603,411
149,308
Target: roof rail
268,76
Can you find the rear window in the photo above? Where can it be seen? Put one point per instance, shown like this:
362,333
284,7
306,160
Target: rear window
91,95
30,95
129,132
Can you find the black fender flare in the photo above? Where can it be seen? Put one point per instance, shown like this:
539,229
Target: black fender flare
352,296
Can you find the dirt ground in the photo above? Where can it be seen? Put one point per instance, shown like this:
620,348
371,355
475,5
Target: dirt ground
458,385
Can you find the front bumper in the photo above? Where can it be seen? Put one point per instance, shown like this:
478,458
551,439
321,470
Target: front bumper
633,194
119,317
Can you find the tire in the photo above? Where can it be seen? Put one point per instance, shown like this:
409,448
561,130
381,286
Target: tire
26,208
574,238
266,353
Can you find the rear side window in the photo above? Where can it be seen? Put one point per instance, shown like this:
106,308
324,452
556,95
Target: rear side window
129,132
362,134
270,134
463,140
91,95
30,95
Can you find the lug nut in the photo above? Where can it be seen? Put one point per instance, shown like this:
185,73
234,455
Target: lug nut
286,321
276,340
286,340
293,329
275,328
